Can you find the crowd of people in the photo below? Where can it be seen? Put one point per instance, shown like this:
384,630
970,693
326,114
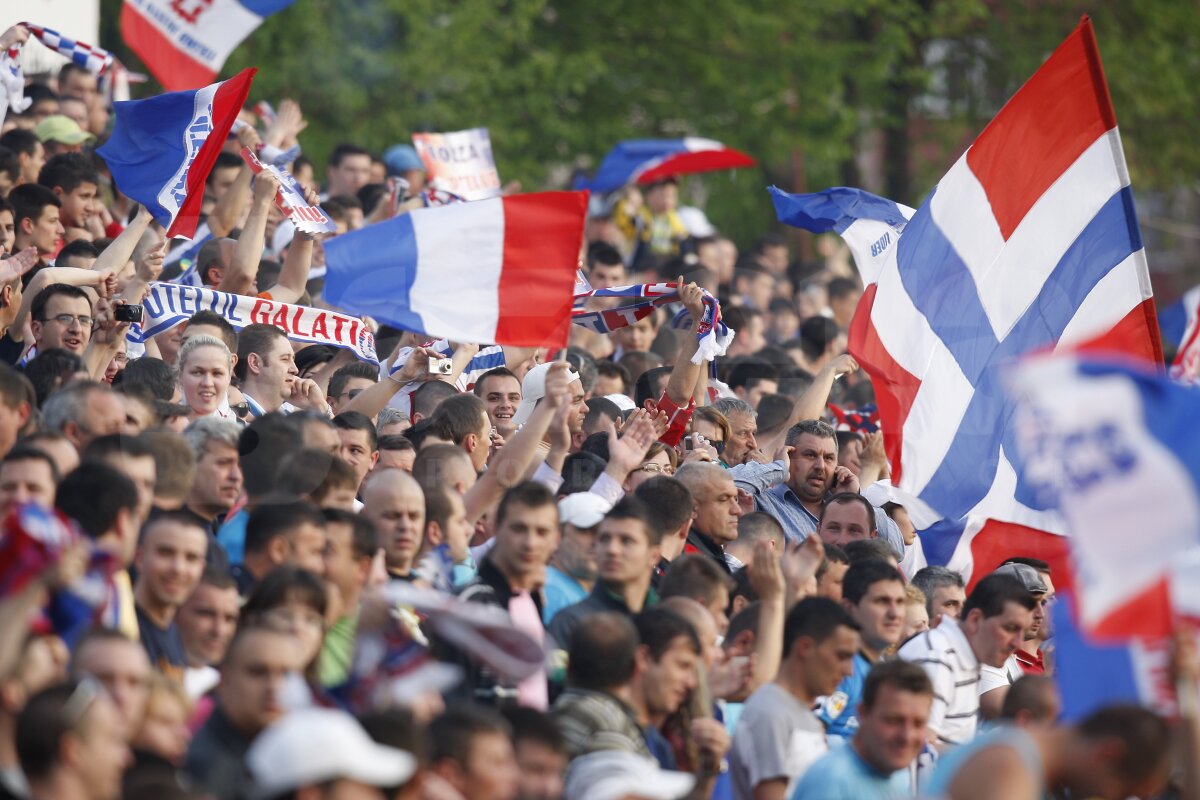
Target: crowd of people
596,573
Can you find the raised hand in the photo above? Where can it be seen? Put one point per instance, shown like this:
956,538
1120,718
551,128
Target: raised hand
766,571
801,561
18,264
842,365
150,265
628,452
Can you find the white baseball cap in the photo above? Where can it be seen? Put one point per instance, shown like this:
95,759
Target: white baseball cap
533,389
616,774
583,509
311,746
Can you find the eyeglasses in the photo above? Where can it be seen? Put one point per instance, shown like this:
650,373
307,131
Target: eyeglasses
80,700
351,393
66,319
656,468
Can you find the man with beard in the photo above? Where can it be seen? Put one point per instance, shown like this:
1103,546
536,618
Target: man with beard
572,570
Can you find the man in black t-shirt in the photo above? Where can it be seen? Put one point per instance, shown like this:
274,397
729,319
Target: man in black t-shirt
170,561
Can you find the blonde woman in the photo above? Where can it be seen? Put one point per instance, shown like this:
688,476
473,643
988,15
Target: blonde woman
205,370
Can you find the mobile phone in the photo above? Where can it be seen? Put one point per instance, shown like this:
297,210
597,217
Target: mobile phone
128,313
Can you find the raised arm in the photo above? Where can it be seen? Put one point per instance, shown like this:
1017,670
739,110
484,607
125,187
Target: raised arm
122,248
508,467
229,208
685,374
243,268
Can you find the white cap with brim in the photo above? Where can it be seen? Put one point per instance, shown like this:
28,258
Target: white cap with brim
533,389
616,774
583,509
312,746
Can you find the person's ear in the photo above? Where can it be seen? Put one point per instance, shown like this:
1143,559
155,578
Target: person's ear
374,458
278,549
254,363
26,225
434,534
641,659
24,412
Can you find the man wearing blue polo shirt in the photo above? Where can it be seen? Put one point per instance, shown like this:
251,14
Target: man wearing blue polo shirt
897,697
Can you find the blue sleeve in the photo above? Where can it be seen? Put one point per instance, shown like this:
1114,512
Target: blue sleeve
756,478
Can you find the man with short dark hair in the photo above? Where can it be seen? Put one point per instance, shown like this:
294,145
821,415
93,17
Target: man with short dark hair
170,560
668,663
872,766
349,170
286,532
994,619
249,698
27,475
350,547
626,551
359,444
500,392
699,578
73,179
510,577
36,217
778,737
541,754
846,517
463,421
873,594
31,155
207,621
671,506
61,316
349,381
266,366
471,749
71,743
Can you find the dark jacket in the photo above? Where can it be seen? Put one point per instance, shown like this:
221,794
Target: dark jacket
216,759
599,601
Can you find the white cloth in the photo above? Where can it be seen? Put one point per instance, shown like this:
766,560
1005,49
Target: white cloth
947,657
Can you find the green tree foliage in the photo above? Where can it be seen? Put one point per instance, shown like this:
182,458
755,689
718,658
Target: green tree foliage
813,89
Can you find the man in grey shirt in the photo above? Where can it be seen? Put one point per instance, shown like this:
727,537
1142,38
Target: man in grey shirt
778,736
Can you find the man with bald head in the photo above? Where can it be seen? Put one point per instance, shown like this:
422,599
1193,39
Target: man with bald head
395,505
444,465
715,511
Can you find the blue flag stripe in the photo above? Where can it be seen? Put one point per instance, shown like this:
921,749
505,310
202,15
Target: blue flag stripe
372,271
834,209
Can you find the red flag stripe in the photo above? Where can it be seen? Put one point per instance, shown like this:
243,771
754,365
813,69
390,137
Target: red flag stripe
895,387
1043,129
543,234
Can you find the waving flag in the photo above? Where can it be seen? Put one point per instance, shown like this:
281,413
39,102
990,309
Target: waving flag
90,58
713,338
163,148
1030,242
648,160
185,44
500,270
1178,322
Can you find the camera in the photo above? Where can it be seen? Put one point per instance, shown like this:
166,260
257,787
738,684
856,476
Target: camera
128,313
440,366
690,442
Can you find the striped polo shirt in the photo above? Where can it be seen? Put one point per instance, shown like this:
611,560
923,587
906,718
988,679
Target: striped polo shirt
953,669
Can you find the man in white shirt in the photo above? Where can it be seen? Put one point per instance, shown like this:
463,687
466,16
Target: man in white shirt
993,624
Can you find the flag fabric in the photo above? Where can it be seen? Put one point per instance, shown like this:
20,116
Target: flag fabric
163,148
648,160
500,270
1092,674
90,58
859,420
714,336
169,304
185,254
1030,242
1178,323
185,44
1111,445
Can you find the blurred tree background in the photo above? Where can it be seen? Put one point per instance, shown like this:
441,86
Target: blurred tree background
883,94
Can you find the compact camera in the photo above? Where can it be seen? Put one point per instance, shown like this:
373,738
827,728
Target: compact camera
128,313
440,366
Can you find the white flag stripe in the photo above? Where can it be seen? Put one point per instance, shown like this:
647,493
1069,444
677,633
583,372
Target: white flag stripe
1010,275
469,248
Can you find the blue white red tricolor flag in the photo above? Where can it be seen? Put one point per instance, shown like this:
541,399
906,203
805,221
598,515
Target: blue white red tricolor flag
185,42
1029,243
648,160
1178,322
713,336
163,148
500,270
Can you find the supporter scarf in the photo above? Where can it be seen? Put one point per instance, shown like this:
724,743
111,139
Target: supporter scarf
93,59
169,304
714,335
862,420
